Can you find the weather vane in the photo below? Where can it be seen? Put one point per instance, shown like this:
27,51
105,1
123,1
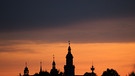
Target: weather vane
26,64
69,43
53,57
40,63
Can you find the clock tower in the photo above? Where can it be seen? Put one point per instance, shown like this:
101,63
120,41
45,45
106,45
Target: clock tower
69,67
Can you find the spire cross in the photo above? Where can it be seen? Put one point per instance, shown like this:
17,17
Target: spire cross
40,63
69,43
26,64
53,57
40,66
92,68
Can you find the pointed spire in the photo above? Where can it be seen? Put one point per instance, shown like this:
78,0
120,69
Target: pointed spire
69,48
53,63
69,43
53,58
26,70
25,64
40,66
92,68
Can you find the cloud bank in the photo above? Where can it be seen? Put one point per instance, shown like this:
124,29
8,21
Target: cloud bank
78,21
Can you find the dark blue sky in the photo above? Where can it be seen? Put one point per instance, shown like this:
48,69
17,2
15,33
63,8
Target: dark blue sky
52,16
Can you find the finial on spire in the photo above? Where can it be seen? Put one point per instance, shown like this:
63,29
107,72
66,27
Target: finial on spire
53,63
40,66
69,48
92,63
26,64
41,63
69,42
53,57
92,68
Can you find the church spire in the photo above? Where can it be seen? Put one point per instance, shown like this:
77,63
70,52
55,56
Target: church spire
25,64
69,43
92,68
26,70
53,57
69,48
40,66
69,67
54,71
53,63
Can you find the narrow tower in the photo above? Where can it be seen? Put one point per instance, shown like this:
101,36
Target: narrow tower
40,67
92,69
53,63
54,71
26,70
69,67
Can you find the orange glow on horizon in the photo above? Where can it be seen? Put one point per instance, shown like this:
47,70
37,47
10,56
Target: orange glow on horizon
119,56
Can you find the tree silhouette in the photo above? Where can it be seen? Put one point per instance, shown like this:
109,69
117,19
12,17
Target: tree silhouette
110,72
132,74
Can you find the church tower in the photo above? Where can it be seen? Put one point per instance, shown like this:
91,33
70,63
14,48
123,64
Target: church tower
26,70
54,71
40,68
92,69
69,67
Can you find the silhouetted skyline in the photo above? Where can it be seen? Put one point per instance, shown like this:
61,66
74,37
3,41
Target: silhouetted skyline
100,31
69,68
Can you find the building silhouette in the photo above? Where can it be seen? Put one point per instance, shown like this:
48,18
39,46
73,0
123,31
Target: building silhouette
40,68
41,72
54,71
69,67
26,70
91,73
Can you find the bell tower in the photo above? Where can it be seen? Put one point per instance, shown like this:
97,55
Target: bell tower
69,67
54,71
26,70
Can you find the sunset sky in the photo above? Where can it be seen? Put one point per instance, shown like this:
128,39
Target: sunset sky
101,32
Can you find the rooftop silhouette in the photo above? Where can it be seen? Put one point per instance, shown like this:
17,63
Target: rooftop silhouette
69,68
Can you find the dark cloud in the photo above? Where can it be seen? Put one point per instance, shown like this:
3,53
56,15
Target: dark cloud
79,21
117,30
27,15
